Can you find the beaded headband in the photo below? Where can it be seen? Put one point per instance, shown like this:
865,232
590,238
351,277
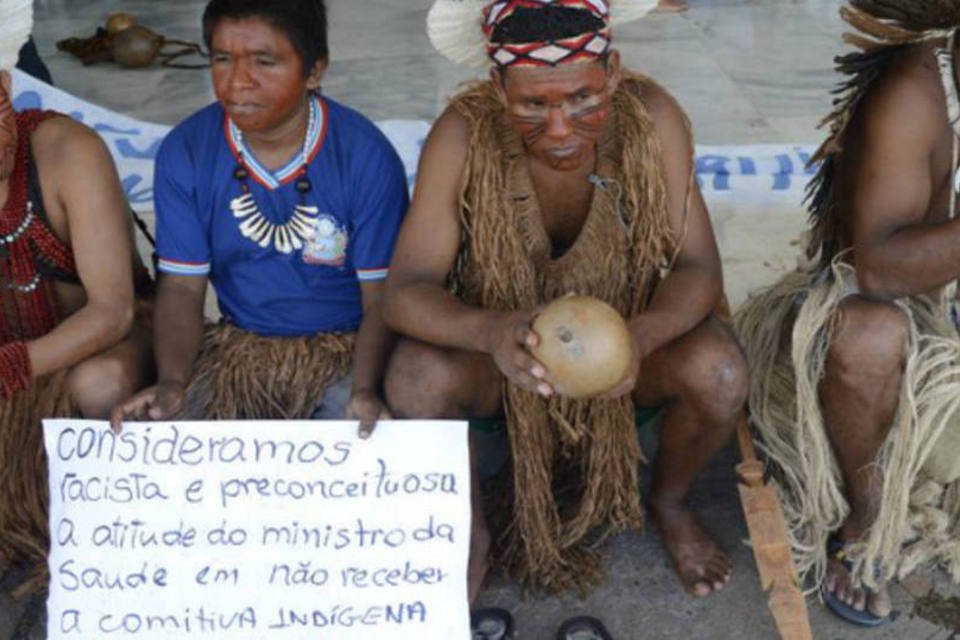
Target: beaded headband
462,30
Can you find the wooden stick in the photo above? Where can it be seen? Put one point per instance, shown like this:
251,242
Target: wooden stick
771,545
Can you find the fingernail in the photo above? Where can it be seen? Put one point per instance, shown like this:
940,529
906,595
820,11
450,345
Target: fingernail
537,372
544,390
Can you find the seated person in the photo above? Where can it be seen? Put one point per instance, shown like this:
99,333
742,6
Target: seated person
289,203
564,173
69,344
854,356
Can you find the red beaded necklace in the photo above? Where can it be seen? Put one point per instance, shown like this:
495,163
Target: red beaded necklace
27,300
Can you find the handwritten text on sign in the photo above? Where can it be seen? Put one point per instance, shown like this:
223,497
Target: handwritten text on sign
258,530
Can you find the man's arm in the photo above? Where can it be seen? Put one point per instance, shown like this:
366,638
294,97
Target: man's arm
177,336
374,343
178,327
692,289
897,251
89,192
417,302
185,260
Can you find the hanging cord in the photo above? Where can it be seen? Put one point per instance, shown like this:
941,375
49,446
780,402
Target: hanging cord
605,184
186,49
144,229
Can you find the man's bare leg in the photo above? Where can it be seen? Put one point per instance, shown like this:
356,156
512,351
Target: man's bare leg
432,383
859,393
98,383
702,379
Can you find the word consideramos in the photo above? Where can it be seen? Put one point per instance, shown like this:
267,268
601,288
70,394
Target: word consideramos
168,446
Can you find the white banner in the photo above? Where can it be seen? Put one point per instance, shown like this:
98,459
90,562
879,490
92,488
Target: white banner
258,530
753,174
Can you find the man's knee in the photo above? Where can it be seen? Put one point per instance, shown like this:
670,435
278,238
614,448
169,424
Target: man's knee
714,372
98,384
422,381
869,339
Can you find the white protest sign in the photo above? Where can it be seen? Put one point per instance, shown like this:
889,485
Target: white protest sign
258,530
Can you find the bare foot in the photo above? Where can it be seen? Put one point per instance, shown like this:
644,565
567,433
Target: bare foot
672,6
839,582
479,561
700,564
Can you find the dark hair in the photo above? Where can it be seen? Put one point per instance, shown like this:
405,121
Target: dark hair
546,24
304,22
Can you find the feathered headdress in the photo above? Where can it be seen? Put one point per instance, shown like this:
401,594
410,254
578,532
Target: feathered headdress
16,23
461,30
882,28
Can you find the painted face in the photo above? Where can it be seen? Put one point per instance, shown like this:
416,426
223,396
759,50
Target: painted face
559,112
8,127
258,75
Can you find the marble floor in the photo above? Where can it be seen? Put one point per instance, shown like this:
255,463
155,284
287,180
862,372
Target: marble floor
747,71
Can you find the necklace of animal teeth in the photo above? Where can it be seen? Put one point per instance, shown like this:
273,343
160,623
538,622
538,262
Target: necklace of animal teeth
293,234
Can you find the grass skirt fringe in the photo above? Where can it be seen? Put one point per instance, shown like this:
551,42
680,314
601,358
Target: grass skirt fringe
24,492
242,376
786,331
575,464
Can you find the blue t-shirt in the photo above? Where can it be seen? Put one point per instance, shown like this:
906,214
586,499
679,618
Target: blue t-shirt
282,263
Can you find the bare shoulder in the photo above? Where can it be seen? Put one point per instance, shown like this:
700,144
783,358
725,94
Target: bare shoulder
63,144
443,161
908,101
451,131
659,102
77,176
669,118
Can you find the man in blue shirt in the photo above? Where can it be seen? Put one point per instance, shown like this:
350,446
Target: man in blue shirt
289,203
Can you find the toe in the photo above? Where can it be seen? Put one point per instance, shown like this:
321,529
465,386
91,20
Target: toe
701,589
846,595
879,604
720,567
831,583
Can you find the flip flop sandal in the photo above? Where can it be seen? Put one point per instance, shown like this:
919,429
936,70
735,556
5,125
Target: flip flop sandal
583,628
836,550
492,623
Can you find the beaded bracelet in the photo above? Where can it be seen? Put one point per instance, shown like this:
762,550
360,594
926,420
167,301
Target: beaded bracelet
14,369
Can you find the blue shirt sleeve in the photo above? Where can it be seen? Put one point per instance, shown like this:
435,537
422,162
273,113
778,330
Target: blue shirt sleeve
381,201
183,245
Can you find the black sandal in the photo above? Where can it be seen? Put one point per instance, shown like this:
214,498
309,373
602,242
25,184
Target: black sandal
837,550
583,628
492,623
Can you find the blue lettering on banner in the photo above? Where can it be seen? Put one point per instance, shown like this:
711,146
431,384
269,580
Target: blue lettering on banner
127,150
102,128
28,100
143,196
717,167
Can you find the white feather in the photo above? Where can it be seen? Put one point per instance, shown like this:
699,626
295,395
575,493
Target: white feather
624,11
455,28
16,23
